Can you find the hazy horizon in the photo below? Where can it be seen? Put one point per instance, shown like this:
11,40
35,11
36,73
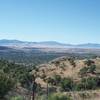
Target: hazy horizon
49,41
64,21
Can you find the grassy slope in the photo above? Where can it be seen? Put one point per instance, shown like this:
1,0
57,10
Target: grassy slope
64,68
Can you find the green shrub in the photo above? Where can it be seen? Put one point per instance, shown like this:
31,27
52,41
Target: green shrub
17,98
78,87
25,79
51,81
72,62
89,62
88,83
59,97
89,69
6,84
83,71
57,79
92,69
67,84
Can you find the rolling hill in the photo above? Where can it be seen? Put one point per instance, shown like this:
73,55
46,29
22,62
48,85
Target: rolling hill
70,76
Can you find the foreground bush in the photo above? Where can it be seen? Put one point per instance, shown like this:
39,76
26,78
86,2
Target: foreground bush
6,84
59,97
17,98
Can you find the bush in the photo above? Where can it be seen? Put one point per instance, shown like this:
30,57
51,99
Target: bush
79,86
88,83
83,71
59,97
89,69
51,81
89,62
25,79
55,80
17,98
72,62
67,84
92,69
6,84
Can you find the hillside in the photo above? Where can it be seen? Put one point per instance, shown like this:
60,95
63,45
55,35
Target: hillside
84,75
66,77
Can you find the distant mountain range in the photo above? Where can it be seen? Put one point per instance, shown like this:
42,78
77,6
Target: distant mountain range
52,44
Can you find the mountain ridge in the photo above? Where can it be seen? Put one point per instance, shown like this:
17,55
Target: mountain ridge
6,42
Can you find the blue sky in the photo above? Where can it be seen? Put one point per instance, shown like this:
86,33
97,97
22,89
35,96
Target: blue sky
67,21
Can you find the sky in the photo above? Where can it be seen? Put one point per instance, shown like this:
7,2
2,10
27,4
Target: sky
66,21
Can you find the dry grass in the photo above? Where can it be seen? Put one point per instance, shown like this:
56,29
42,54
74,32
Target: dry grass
64,68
